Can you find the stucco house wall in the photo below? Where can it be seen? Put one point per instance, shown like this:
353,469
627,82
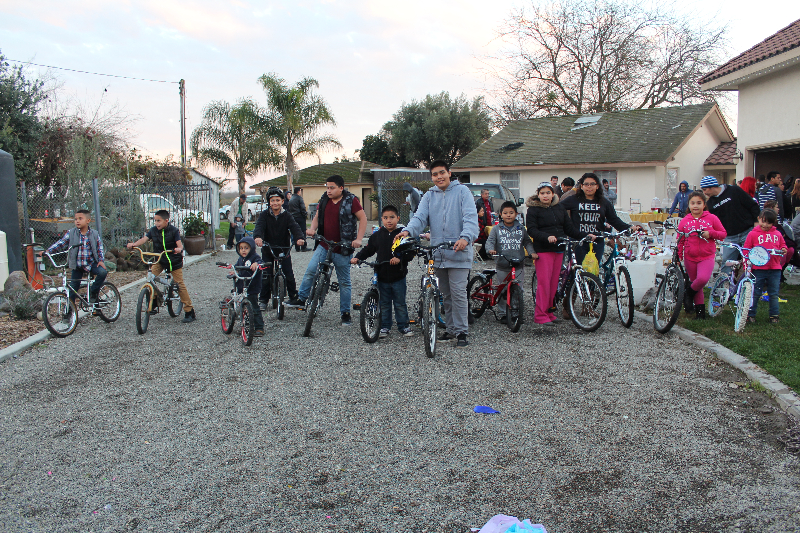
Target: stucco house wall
689,159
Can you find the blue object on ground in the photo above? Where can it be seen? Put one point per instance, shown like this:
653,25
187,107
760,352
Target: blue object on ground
485,409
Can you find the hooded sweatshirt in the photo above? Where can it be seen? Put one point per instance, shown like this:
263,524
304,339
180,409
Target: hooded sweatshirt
510,241
451,215
380,243
694,248
545,221
252,257
768,239
681,200
735,208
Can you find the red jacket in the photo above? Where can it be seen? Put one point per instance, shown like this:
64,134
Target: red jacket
694,248
767,239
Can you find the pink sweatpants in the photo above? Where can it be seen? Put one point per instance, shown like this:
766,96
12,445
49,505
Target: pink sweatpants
699,273
548,266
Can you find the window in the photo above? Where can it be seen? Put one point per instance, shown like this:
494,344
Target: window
611,176
511,181
672,183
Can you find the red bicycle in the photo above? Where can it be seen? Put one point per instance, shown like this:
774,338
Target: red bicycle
484,294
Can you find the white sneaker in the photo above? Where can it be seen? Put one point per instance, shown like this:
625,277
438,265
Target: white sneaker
384,333
407,332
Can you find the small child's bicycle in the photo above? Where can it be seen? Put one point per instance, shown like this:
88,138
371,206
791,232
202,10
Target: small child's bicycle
60,313
370,306
277,279
151,298
484,295
238,305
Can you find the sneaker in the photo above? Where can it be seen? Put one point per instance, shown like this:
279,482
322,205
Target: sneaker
190,317
384,333
258,333
504,319
262,305
773,320
462,340
751,320
295,302
346,320
447,337
407,332
565,313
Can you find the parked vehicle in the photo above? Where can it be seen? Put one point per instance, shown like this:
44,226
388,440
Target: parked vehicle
155,202
497,195
255,205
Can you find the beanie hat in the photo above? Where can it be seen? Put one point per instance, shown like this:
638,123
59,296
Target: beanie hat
708,181
544,184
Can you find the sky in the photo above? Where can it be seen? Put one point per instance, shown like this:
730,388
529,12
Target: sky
368,56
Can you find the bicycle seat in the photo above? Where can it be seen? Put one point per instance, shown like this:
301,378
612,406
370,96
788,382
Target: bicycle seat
489,271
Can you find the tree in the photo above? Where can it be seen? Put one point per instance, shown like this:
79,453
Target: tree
438,128
375,149
589,56
235,139
297,115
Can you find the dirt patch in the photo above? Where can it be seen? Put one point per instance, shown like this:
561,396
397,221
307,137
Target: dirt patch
13,330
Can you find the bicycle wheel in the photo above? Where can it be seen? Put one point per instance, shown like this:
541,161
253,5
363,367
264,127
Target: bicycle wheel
248,323
142,316
515,311
430,310
316,301
172,297
745,297
669,300
370,316
109,303
624,290
279,296
60,314
534,281
477,305
720,294
227,315
587,301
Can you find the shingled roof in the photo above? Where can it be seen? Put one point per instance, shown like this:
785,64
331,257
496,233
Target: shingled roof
722,155
316,175
627,136
786,39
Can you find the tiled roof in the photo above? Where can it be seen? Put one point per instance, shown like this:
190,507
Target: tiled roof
722,154
626,136
317,174
785,39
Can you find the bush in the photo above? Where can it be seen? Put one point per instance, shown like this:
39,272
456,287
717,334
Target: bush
25,302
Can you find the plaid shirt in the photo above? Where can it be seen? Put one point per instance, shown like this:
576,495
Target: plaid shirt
85,260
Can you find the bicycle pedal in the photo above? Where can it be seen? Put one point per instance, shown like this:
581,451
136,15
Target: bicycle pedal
335,286
356,307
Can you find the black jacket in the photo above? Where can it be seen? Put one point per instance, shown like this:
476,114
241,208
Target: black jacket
252,257
591,215
735,208
380,243
543,222
296,207
165,239
278,231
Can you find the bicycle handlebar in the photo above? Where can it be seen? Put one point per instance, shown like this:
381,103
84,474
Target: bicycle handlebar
317,237
372,264
151,254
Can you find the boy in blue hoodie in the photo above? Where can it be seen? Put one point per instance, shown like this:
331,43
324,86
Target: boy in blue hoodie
249,258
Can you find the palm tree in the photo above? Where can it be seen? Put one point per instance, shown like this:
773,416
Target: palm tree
297,114
235,139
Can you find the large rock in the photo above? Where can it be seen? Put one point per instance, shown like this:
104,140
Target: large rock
16,280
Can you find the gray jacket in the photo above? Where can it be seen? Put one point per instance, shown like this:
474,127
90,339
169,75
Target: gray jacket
509,241
235,210
451,216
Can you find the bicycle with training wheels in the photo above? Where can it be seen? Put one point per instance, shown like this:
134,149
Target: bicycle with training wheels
322,282
237,305
151,297
483,294
430,298
370,306
617,280
61,306
277,279
583,291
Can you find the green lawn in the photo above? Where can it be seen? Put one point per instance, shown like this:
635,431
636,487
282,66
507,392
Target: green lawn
775,348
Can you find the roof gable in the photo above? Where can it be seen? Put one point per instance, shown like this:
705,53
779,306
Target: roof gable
723,154
315,175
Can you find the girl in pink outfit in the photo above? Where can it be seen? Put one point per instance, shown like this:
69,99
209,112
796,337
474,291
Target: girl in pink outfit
698,254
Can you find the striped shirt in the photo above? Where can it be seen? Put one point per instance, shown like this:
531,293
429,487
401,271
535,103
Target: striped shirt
85,260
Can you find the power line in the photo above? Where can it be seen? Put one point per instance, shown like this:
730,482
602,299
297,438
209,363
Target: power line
87,72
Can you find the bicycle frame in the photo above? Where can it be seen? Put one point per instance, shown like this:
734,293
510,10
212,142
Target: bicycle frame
65,283
156,295
493,292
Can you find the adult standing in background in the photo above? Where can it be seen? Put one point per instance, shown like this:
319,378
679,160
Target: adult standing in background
794,196
770,191
735,209
238,207
568,188
681,201
610,195
485,202
297,208
748,185
556,188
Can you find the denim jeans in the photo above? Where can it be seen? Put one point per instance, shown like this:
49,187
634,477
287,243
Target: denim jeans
772,280
394,292
729,253
77,275
258,318
266,285
342,264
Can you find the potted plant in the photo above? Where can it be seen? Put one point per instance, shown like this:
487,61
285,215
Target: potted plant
194,230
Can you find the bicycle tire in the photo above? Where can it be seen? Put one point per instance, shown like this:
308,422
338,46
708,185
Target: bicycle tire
313,307
669,300
429,320
516,310
173,308
227,316
113,303
142,305
745,294
370,316
624,292
534,282
248,323
476,306
279,296
587,316
719,296
55,306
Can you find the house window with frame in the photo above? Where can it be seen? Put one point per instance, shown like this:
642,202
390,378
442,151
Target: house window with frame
510,180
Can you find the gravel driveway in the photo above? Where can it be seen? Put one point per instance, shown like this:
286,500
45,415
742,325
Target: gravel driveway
183,429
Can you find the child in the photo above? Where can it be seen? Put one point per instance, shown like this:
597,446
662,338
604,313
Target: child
278,228
547,221
248,258
165,236
511,239
87,256
699,255
769,275
392,276
791,244
482,232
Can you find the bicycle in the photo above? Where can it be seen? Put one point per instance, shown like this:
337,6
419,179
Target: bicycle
277,279
430,297
370,306
483,294
617,280
151,298
238,305
322,282
60,312
584,292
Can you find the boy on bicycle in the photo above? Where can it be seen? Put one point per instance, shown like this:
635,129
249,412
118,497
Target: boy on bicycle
246,248
86,253
165,236
511,239
278,228
391,276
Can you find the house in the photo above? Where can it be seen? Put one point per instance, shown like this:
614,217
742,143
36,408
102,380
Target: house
767,78
212,205
358,179
643,153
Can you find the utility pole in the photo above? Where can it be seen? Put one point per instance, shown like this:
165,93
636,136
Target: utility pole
182,90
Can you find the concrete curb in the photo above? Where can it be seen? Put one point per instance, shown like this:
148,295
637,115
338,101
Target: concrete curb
786,399
19,347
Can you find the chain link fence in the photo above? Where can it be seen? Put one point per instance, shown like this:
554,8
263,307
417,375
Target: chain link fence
390,192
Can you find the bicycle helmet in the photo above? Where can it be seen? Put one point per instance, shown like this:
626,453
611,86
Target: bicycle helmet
274,191
401,246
